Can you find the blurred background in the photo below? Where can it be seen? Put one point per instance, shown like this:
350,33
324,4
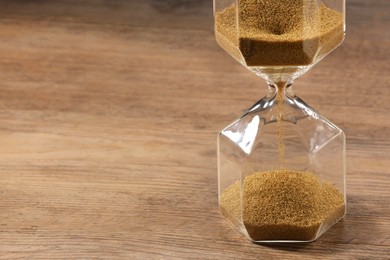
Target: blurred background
109,112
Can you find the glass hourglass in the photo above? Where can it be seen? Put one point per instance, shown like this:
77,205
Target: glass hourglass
281,165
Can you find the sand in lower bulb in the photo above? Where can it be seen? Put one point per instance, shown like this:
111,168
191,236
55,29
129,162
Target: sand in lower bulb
282,205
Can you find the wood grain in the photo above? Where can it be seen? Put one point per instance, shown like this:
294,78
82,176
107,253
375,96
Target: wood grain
109,112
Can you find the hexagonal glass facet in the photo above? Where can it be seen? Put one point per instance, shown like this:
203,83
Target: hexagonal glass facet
274,37
296,198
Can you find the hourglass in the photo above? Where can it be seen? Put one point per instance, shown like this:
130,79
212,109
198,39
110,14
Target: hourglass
281,165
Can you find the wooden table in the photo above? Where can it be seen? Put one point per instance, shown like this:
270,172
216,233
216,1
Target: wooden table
109,112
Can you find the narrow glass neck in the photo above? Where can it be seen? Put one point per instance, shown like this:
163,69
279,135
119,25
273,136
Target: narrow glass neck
283,88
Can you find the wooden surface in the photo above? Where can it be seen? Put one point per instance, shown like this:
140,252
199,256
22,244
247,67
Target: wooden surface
109,112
